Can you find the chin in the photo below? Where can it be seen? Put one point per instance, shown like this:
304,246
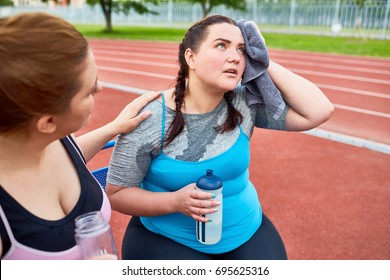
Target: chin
87,120
229,88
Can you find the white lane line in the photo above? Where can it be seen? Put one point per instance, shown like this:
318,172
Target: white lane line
363,61
355,91
136,72
171,65
172,78
136,61
310,72
363,111
136,54
333,136
350,140
124,88
298,56
333,66
135,47
341,76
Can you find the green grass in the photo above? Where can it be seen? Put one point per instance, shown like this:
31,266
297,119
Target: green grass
134,33
328,44
325,44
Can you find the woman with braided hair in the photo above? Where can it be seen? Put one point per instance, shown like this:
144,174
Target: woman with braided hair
203,123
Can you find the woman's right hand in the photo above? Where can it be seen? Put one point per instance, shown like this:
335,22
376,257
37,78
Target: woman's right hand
195,203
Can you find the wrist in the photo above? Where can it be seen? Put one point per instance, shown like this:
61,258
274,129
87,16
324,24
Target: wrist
112,129
172,205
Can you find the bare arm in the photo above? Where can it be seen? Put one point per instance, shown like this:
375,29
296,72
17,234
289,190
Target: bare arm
309,107
140,202
91,142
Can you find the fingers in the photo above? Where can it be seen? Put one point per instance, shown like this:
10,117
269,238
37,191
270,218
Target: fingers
143,116
202,195
152,95
199,211
144,99
140,102
203,204
195,203
202,216
199,214
133,122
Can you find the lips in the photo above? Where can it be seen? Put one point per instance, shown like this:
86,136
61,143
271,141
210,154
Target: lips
231,71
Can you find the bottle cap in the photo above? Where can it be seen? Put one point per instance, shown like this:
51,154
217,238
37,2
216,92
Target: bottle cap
209,181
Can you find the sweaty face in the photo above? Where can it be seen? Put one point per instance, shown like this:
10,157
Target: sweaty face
82,103
219,63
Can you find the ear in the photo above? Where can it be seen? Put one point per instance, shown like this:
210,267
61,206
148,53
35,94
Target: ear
46,124
190,58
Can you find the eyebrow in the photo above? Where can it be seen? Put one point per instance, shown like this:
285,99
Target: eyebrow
227,41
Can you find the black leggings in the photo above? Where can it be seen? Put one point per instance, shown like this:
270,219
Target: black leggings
141,244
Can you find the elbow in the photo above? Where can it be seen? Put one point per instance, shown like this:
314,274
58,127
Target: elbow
112,194
110,190
313,119
123,199
329,111
324,115
324,109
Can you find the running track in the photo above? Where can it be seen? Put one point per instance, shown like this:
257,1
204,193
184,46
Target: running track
326,190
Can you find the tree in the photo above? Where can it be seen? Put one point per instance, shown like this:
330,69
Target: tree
124,6
66,2
6,3
208,5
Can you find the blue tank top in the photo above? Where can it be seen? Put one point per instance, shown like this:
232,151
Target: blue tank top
242,212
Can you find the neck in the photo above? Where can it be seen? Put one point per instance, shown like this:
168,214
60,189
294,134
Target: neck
199,100
22,149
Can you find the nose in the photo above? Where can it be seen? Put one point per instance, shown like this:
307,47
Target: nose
99,86
234,56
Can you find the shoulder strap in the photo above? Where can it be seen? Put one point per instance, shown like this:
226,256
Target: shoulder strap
7,242
69,141
162,121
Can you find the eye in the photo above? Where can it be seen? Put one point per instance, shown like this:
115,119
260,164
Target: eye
221,46
94,91
241,50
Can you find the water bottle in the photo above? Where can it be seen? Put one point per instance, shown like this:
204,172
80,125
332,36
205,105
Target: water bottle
94,236
210,233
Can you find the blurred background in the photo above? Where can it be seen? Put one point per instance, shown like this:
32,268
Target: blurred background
362,18
327,190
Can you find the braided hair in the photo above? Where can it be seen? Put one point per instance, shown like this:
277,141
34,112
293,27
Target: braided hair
193,39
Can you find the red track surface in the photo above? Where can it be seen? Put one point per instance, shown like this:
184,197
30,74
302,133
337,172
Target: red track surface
329,200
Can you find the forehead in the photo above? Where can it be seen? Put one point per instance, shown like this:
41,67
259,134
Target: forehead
225,31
